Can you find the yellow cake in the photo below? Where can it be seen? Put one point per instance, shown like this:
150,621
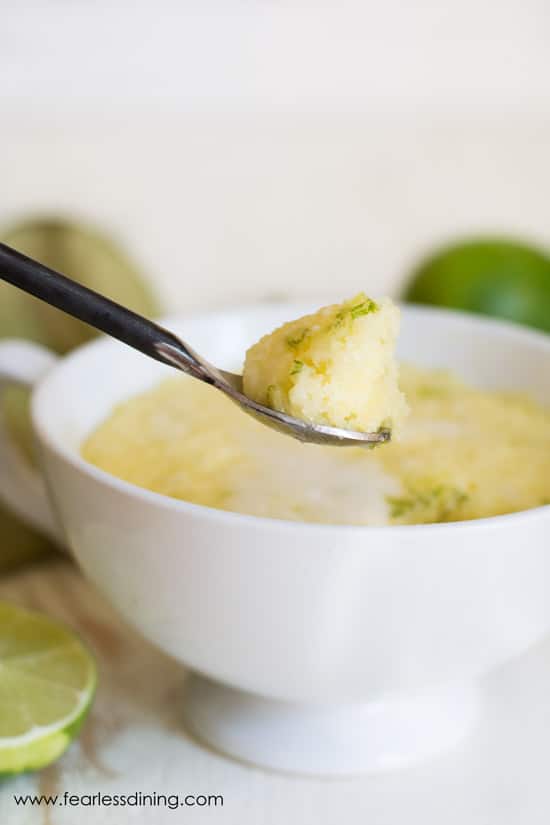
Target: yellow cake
335,367
464,453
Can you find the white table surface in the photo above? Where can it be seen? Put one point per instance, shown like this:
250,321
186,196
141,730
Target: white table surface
134,741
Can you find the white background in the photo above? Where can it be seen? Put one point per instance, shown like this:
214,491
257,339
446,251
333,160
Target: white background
248,148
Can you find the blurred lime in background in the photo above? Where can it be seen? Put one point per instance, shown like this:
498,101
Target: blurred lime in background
92,259
84,255
491,276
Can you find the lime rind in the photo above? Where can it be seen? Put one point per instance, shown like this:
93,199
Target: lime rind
47,684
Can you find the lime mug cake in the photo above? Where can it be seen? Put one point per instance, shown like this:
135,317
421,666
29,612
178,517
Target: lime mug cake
335,367
461,453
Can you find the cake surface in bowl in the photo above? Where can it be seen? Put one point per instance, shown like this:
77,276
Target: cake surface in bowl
464,454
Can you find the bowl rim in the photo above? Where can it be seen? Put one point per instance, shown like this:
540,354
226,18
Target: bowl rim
233,518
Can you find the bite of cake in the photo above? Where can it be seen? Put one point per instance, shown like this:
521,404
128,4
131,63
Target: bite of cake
335,367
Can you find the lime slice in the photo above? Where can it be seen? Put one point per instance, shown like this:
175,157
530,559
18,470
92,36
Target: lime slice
47,683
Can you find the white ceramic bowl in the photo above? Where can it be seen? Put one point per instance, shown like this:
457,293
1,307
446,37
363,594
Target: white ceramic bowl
325,649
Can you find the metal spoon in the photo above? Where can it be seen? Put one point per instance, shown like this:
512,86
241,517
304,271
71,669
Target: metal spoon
162,345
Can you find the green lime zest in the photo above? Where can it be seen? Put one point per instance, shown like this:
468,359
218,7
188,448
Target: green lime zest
351,311
294,341
364,308
439,502
297,366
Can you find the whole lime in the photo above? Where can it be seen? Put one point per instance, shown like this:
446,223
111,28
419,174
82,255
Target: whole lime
490,276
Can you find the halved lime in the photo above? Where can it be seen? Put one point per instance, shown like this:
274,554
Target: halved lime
94,260
47,683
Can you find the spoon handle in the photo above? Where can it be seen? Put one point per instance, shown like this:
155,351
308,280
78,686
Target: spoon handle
92,308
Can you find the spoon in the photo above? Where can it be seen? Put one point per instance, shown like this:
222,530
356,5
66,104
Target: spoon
162,345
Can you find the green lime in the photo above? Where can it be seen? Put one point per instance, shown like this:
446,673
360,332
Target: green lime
91,258
83,254
498,277
47,683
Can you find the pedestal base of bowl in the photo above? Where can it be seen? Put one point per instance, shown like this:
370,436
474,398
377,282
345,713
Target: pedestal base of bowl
328,740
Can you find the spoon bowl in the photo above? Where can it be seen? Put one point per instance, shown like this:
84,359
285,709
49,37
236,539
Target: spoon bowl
232,385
